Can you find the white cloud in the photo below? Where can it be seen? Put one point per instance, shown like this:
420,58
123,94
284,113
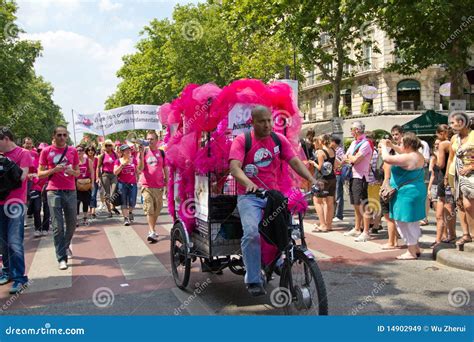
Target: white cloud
108,5
82,70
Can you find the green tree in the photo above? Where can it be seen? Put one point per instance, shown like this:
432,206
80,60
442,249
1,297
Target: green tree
16,58
427,32
26,103
328,34
197,46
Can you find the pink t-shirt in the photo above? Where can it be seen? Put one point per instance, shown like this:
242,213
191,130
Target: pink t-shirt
35,157
23,159
38,183
265,154
153,176
49,158
108,162
361,169
84,169
129,172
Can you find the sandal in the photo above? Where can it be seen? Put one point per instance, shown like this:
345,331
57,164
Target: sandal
449,240
388,247
464,239
436,243
406,257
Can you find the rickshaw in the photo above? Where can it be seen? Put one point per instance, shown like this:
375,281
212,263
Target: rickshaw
215,241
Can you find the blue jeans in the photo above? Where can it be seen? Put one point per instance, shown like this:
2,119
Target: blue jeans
95,190
128,192
251,212
339,212
63,209
12,231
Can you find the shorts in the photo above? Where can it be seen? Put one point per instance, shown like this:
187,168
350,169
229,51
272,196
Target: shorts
434,193
329,188
358,191
152,201
374,192
441,189
128,192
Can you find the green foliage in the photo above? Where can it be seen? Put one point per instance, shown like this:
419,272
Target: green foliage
347,142
344,111
428,32
379,134
26,104
197,46
303,24
364,108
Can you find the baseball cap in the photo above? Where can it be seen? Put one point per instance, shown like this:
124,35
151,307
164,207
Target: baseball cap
124,147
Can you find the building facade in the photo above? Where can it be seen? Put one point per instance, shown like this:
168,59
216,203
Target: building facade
391,92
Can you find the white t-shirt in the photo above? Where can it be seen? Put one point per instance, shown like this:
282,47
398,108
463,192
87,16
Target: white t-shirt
425,150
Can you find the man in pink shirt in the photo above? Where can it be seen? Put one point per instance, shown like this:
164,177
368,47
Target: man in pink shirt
265,156
12,216
154,179
60,164
359,156
28,145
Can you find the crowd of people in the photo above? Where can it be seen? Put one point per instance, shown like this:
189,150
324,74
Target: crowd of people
397,177
59,185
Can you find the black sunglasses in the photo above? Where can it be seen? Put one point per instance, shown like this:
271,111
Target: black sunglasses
61,134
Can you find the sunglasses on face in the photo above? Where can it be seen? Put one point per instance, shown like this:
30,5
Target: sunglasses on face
61,135
80,150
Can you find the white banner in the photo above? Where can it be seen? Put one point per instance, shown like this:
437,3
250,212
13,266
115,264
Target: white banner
115,120
240,118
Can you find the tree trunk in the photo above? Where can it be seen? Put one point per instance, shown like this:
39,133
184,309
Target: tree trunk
336,97
456,75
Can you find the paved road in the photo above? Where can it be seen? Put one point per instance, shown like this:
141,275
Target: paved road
116,271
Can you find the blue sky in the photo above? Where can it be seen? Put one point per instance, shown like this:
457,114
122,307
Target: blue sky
83,44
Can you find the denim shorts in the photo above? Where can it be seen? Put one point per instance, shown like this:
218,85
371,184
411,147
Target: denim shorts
128,192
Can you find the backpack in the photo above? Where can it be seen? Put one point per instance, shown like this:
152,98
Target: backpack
248,142
346,170
10,176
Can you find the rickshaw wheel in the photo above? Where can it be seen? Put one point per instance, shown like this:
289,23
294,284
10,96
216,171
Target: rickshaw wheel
305,293
180,259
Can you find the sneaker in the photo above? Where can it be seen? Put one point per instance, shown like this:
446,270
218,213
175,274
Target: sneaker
336,219
94,216
126,221
63,265
352,232
256,289
152,237
37,233
131,217
4,279
45,232
17,288
85,221
362,237
69,252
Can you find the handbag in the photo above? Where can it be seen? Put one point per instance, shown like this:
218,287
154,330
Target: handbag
84,184
387,192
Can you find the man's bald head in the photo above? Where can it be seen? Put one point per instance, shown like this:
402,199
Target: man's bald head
260,110
262,121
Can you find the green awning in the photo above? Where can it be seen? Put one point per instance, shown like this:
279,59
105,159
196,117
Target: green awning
408,85
426,123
